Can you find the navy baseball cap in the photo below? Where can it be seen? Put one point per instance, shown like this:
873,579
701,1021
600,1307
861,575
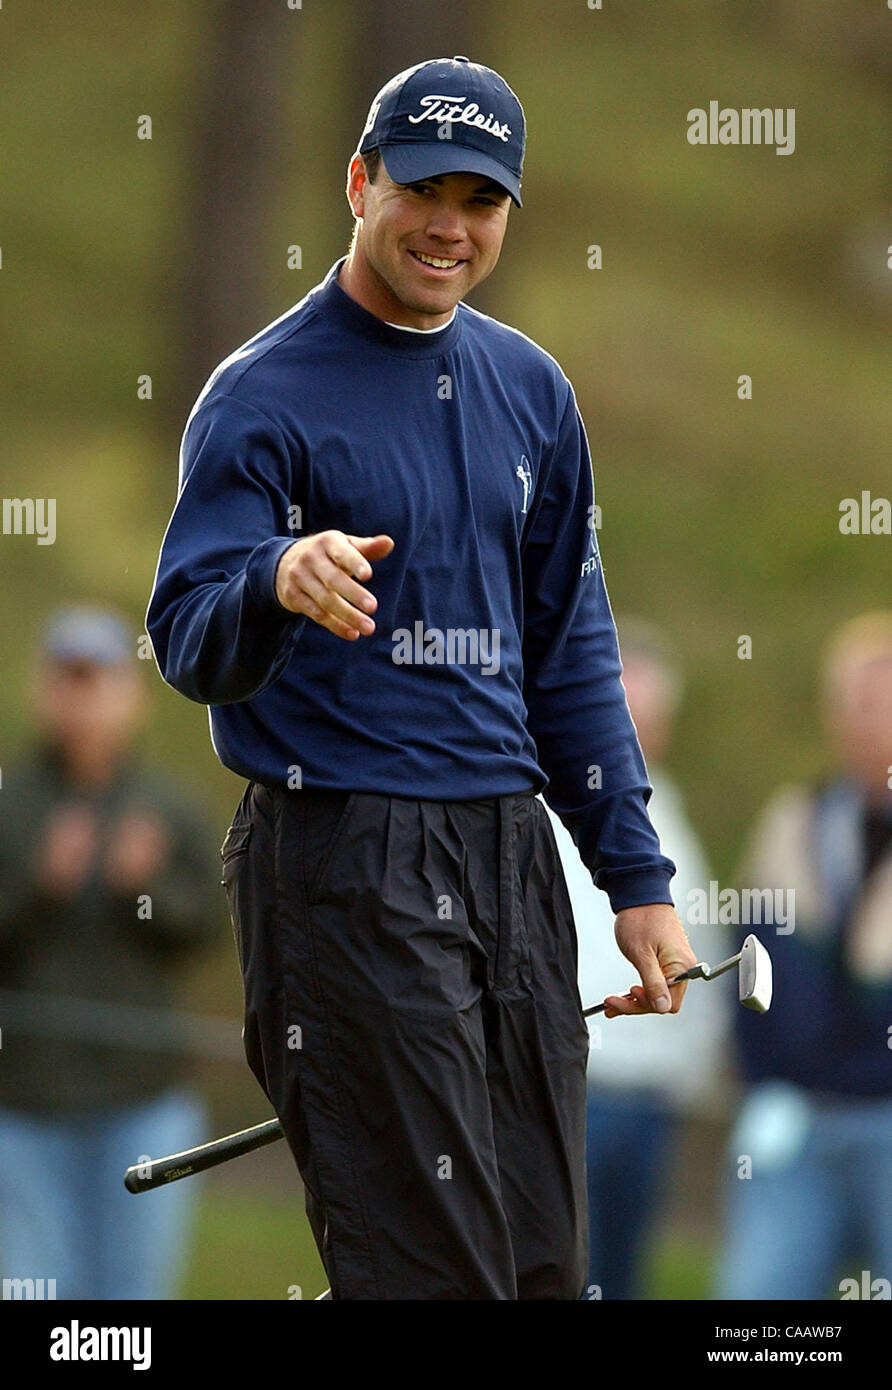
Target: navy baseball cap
88,635
448,116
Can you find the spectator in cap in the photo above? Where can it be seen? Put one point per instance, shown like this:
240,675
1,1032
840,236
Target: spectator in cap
106,884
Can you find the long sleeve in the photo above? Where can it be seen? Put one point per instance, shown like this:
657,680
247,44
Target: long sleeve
578,714
218,631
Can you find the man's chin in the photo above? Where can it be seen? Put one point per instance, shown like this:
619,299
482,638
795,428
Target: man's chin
441,291
430,305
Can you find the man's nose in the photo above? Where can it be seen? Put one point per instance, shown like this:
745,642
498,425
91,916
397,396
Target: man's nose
446,221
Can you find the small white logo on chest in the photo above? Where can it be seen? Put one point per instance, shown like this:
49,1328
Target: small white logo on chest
526,477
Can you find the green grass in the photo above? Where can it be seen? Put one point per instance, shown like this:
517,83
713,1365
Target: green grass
249,1246
679,1269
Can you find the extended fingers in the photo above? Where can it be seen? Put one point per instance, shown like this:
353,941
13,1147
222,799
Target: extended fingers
316,577
637,1001
340,596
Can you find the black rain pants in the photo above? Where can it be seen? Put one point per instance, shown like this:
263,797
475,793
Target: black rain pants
413,1016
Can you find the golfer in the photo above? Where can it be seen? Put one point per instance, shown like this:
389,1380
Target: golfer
382,575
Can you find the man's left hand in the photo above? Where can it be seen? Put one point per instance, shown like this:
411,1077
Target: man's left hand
653,939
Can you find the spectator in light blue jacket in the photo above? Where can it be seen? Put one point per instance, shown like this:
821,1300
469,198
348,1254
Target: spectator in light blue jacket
809,1169
645,1073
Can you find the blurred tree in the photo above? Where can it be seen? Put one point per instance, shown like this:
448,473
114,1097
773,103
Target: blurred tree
237,149
391,36
234,155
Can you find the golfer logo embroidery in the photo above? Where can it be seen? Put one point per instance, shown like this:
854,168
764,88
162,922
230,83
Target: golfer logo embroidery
525,475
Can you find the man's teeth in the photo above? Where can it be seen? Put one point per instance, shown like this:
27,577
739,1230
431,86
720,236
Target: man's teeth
435,260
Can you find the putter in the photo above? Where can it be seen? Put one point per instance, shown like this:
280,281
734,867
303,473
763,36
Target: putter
754,983
754,976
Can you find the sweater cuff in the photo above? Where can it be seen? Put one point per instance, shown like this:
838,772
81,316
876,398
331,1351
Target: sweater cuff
260,575
638,888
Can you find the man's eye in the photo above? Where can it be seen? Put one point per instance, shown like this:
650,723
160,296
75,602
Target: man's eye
491,202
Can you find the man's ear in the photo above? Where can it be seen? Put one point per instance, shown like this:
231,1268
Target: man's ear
357,178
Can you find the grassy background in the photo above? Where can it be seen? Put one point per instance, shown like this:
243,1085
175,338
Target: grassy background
268,1241
720,516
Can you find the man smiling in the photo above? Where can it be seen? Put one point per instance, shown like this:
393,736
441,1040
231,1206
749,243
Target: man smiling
404,929
409,266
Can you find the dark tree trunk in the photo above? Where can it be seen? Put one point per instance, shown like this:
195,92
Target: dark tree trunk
394,35
233,167
240,147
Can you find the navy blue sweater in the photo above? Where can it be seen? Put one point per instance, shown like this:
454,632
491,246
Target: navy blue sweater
493,667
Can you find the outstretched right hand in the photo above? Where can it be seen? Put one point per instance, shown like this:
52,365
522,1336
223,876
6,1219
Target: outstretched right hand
315,576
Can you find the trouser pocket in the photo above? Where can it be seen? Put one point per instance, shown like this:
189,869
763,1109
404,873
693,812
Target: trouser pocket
233,853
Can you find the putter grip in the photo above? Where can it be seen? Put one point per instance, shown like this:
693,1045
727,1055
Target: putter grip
156,1172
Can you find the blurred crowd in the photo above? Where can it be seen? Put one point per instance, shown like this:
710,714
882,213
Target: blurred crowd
805,1182
109,882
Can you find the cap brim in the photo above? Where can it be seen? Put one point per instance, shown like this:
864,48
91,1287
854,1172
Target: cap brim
408,162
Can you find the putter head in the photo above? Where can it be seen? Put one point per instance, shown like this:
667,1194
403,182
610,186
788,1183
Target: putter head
754,979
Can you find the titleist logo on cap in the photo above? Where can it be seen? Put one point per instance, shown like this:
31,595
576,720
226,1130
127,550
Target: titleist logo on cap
442,109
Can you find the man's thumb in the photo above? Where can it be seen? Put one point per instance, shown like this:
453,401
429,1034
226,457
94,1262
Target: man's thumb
372,547
655,985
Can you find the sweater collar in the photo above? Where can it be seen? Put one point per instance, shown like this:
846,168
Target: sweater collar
332,300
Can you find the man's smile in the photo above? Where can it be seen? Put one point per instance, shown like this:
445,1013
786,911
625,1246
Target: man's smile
440,266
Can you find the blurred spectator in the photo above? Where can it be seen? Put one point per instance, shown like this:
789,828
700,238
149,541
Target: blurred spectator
816,1128
107,877
644,1073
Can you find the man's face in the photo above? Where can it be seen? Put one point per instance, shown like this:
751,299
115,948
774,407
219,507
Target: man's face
861,718
82,703
457,218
